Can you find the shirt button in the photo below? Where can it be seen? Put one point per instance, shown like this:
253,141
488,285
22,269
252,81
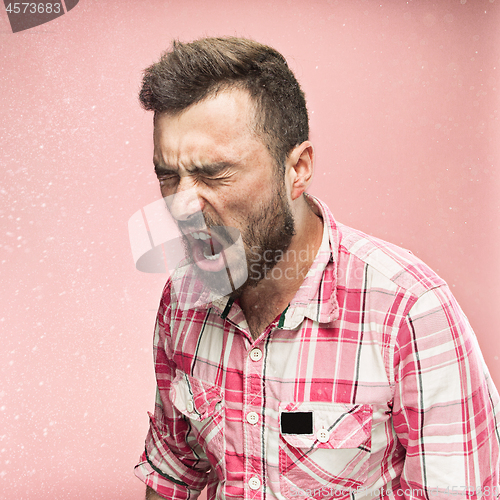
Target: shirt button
254,483
252,417
255,354
323,436
190,406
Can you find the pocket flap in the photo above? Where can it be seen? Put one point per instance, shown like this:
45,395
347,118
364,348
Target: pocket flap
335,425
193,397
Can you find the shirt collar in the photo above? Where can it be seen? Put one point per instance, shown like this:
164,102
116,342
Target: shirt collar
316,298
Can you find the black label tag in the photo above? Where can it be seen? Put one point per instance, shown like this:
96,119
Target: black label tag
297,422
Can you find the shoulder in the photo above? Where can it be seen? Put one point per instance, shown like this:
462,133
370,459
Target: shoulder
389,262
360,257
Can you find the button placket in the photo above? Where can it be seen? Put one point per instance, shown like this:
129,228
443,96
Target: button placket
252,417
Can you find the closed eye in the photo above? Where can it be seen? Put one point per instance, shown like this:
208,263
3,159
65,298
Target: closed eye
211,175
220,174
162,171
209,178
168,181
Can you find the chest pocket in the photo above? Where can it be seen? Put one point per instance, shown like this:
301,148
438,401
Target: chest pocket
201,403
329,453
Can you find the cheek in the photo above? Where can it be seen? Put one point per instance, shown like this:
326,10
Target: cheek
234,207
233,211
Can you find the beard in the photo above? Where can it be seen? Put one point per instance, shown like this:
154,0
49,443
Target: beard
266,234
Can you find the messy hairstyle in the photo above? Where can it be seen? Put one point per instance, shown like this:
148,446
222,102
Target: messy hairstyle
191,72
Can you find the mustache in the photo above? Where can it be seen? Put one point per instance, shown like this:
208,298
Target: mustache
196,222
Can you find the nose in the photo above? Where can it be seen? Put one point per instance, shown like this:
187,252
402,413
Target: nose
185,203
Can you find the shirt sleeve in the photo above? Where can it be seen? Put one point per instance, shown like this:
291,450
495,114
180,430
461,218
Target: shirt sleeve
171,463
446,407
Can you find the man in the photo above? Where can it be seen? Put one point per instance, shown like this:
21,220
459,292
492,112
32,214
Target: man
336,365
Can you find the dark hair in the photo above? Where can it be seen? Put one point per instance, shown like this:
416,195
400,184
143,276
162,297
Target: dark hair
190,72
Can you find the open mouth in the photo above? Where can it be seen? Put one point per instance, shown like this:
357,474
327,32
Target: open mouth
218,254
211,247
208,249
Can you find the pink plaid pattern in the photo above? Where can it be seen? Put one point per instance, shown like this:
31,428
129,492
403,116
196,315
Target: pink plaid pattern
373,350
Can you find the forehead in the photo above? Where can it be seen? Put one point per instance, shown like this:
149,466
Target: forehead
230,109
219,125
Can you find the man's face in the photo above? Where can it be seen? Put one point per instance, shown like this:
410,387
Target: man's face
220,182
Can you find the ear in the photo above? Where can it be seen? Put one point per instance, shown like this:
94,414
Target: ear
299,169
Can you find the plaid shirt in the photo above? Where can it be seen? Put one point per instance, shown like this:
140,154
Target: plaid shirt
369,385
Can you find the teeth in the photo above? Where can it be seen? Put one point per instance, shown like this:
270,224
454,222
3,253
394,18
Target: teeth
212,257
209,256
201,236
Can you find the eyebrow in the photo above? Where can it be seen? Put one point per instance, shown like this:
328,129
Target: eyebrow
208,168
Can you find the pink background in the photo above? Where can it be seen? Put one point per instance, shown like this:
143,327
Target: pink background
403,98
